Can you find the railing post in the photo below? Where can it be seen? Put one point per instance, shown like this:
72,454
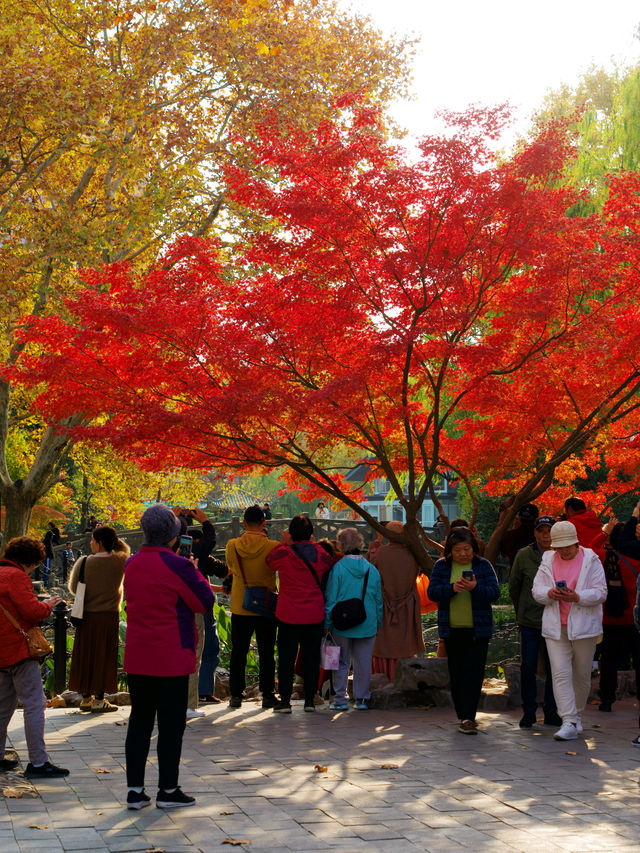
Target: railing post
60,647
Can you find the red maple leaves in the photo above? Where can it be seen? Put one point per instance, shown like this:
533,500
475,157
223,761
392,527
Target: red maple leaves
447,312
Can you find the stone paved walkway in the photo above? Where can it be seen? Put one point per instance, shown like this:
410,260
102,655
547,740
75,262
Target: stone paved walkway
394,780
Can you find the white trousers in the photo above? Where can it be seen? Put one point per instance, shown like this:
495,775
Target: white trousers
571,672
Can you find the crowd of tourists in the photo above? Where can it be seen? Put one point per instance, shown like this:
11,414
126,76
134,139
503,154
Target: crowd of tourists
329,607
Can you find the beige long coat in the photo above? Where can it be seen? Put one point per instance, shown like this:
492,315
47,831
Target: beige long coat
401,633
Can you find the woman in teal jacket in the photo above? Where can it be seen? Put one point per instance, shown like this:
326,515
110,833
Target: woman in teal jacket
347,580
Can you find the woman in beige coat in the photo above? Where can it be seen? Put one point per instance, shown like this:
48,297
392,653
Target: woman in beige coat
401,633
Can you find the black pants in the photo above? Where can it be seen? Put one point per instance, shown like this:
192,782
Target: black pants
619,643
466,657
166,697
308,637
242,629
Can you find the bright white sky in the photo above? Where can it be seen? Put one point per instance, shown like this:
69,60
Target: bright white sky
500,50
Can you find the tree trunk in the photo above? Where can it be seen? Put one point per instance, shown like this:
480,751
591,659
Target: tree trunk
416,544
22,495
18,506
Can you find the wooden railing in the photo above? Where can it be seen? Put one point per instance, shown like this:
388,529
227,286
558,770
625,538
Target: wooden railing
323,528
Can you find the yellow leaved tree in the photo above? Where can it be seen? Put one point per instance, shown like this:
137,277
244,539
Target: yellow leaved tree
117,118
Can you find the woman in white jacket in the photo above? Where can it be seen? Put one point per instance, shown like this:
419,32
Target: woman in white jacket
571,585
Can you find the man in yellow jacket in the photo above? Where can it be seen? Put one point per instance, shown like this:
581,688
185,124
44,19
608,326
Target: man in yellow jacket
246,559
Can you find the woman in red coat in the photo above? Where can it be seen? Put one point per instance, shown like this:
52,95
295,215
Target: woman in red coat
619,636
20,677
300,565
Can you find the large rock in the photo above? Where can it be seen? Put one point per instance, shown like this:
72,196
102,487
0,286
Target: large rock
419,674
378,680
440,698
121,698
387,698
71,698
497,698
221,689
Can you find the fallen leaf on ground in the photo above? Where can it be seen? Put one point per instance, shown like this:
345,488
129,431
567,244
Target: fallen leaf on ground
103,770
320,768
389,766
571,753
120,723
155,850
596,725
38,826
12,793
524,747
99,813
227,812
236,842
58,702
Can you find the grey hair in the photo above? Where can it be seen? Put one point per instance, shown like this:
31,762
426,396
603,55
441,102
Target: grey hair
350,539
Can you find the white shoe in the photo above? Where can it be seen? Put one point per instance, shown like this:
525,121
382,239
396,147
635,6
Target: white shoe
192,713
567,731
579,726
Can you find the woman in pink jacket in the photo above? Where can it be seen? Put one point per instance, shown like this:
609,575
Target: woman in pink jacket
162,592
300,565
20,677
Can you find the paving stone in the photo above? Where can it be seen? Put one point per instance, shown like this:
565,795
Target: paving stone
447,793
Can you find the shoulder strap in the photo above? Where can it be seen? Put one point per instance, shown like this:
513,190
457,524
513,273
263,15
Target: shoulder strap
364,586
244,578
12,620
82,565
626,562
309,566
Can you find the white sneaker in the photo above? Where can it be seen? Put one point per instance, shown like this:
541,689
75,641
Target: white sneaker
579,726
567,731
192,713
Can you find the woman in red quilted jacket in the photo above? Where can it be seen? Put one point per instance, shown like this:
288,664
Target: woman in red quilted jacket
20,677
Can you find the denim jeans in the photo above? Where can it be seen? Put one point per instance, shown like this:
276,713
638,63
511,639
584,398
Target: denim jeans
45,571
210,656
531,644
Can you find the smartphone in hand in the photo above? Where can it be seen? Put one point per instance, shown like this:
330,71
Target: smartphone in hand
562,585
185,546
467,574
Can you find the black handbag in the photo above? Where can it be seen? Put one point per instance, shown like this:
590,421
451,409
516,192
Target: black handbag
351,612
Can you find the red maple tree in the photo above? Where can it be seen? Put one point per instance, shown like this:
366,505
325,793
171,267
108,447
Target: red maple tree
442,314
